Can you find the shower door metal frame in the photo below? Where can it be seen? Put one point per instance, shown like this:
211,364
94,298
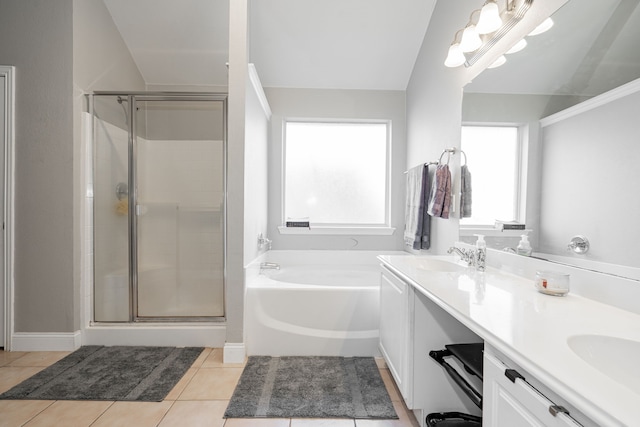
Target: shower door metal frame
132,98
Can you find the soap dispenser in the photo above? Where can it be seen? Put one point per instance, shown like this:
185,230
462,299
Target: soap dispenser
481,252
524,247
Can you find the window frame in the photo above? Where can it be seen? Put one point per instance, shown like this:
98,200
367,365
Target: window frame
520,187
383,228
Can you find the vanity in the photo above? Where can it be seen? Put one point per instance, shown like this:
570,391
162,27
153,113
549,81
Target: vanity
570,361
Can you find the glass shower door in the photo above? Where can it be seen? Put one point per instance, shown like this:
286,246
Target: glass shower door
179,211
111,209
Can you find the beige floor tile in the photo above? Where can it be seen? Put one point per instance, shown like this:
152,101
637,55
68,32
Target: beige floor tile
321,422
203,356
392,389
212,384
17,412
11,376
205,413
381,363
257,422
139,414
214,360
7,357
181,385
40,358
405,419
69,414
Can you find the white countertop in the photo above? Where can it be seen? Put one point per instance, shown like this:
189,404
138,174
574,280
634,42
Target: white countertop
532,329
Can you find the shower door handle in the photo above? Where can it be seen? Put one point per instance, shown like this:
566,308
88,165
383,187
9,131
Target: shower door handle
141,210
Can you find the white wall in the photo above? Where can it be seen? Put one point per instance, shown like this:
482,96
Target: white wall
256,201
596,196
434,100
238,76
337,104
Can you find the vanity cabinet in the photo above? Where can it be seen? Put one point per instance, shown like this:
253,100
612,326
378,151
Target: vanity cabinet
509,400
411,325
396,330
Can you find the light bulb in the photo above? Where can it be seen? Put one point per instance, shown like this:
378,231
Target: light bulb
489,20
470,39
455,57
498,62
517,47
545,26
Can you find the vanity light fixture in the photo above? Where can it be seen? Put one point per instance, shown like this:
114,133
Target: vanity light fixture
517,47
489,20
471,40
498,62
544,26
478,37
455,57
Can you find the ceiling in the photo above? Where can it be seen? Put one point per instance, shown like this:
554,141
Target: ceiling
343,44
173,42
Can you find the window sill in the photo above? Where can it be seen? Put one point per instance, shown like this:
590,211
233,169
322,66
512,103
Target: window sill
492,232
338,231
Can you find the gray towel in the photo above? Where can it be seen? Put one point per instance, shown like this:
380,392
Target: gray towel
416,231
440,197
465,192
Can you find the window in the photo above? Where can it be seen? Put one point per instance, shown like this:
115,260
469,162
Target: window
336,173
493,156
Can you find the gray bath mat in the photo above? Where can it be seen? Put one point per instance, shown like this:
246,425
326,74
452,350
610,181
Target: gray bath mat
109,373
311,387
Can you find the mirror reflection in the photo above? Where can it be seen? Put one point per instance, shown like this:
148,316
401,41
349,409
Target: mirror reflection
578,172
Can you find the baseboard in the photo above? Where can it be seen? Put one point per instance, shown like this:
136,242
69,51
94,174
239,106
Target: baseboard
46,341
156,335
233,353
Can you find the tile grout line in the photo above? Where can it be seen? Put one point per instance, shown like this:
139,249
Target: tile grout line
101,414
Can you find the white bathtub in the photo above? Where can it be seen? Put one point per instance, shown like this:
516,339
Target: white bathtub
322,303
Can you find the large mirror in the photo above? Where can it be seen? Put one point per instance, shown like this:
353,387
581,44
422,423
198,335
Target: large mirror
582,170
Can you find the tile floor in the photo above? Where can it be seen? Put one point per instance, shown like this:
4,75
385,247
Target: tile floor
199,399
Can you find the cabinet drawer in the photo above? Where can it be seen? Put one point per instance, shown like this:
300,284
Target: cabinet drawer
512,401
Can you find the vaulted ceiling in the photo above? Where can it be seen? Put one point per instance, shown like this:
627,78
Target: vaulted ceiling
368,44
349,44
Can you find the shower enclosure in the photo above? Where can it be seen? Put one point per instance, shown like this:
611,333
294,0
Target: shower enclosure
158,206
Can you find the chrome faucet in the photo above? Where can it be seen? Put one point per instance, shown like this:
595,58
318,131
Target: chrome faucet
263,242
476,258
269,266
467,255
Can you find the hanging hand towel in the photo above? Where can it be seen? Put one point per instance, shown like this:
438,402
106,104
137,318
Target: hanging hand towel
465,192
440,197
425,241
417,188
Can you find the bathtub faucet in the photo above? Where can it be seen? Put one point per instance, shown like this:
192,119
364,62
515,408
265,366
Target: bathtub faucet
269,266
263,242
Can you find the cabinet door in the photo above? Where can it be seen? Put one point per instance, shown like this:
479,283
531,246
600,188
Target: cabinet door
516,403
394,329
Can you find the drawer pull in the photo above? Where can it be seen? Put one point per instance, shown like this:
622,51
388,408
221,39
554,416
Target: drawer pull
513,375
557,409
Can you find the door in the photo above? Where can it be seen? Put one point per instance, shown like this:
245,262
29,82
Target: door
179,162
7,91
3,142
395,330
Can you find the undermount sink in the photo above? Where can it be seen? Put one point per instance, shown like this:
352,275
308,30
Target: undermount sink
617,358
438,265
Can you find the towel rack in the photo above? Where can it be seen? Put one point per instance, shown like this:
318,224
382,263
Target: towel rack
452,151
449,151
